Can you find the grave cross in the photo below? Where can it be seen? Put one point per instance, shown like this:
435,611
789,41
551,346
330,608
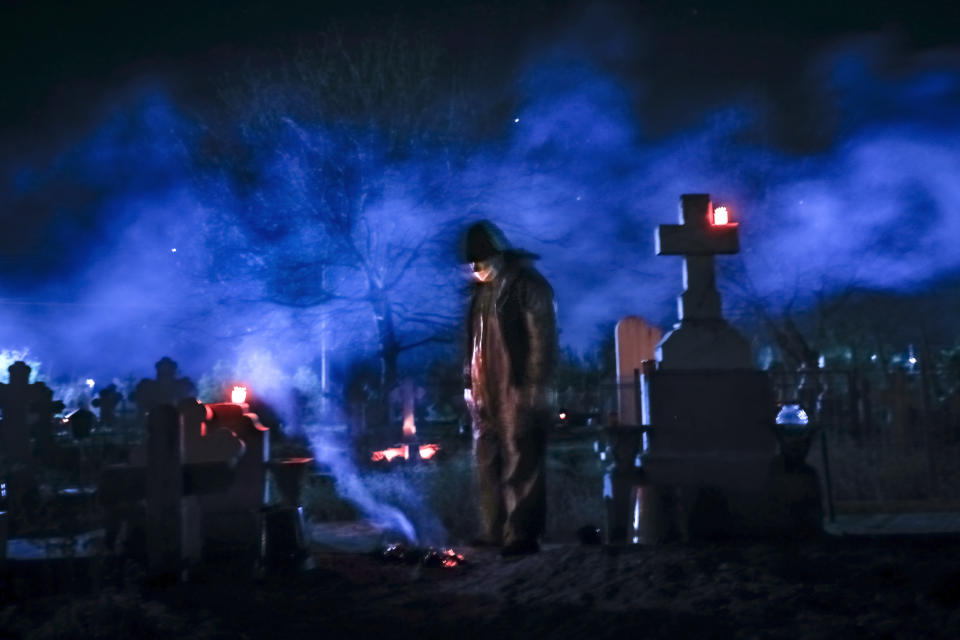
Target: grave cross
21,401
698,239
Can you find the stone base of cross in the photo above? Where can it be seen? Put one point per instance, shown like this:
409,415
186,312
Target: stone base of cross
702,339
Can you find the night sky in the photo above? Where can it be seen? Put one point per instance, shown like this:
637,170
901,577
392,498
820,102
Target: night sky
829,129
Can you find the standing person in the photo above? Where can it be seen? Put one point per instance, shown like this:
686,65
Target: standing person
510,356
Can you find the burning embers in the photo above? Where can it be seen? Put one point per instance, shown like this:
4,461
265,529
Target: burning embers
423,451
409,449
400,553
409,426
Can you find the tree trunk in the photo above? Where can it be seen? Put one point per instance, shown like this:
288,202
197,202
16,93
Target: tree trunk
386,333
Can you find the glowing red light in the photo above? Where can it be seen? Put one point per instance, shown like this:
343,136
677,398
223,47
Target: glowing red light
721,216
451,558
238,395
409,427
391,453
427,451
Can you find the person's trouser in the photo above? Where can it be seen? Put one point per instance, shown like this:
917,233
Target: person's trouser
509,459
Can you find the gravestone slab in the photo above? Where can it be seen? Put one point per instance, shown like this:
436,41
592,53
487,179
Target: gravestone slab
44,409
709,429
232,518
635,341
164,490
711,466
107,400
172,519
21,400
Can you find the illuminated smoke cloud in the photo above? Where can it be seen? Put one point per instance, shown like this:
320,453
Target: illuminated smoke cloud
107,236
875,210
403,515
100,290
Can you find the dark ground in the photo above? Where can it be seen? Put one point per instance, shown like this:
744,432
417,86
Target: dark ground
894,587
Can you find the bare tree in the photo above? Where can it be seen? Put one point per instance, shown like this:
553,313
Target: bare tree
336,165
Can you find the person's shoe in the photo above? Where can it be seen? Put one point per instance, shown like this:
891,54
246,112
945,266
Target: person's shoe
520,548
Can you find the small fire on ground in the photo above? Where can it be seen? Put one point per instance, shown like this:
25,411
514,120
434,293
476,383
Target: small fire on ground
409,427
423,451
427,451
430,557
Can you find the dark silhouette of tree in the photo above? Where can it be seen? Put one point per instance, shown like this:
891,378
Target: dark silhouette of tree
336,166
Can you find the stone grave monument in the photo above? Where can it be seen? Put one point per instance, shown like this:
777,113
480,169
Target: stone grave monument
107,400
21,400
710,465
227,431
636,341
25,429
201,482
166,388
43,411
172,533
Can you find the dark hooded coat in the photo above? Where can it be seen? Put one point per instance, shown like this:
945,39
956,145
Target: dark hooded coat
511,354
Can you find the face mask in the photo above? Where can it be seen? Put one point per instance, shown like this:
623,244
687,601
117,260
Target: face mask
486,270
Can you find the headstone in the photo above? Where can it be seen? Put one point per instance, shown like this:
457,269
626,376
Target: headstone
232,518
711,465
107,400
636,341
204,440
15,398
23,404
81,422
164,492
167,388
43,410
173,523
206,470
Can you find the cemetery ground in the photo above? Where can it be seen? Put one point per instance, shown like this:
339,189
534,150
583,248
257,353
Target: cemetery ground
831,586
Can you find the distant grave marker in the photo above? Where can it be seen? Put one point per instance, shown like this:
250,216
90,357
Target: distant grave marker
164,492
166,388
107,400
636,341
19,400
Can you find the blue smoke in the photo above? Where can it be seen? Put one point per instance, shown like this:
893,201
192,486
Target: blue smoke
875,210
110,235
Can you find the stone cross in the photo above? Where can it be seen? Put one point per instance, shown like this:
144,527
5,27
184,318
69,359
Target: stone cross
167,388
19,401
702,339
164,492
107,401
698,240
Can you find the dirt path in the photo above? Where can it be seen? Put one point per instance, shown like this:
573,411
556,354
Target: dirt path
833,588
